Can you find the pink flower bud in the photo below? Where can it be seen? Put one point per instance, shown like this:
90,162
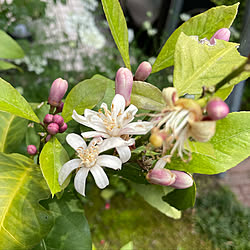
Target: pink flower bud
63,128
183,180
53,128
58,119
31,149
143,71
48,138
217,109
161,176
124,83
48,119
60,108
57,91
107,206
221,34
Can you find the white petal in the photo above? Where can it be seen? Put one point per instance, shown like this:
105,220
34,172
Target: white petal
95,141
67,168
162,162
109,161
114,142
91,134
128,115
137,128
124,153
75,141
80,180
118,105
100,177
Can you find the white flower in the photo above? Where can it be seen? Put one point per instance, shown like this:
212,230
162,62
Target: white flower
116,123
90,160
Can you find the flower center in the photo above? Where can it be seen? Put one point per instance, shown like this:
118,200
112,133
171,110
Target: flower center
88,156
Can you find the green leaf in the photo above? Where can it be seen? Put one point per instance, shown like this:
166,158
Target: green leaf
153,195
71,230
7,65
204,148
85,94
224,93
181,198
202,25
23,222
231,144
52,158
118,27
198,65
11,101
12,132
9,48
128,246
146,96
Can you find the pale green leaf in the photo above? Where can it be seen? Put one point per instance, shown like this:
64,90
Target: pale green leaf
11,101
52,158
198,65
146,96
153,195
9,48
7,65
204,148
231,144
224,93
23,221
85,94
12,132
118,27
128,246
202,25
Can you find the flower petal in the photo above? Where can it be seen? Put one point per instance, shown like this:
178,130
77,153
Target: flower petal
137,128
100,177
91,134
109,161
170,96
75,141
124,153
162,162
114,142
117,106
128,115
80,180
67,168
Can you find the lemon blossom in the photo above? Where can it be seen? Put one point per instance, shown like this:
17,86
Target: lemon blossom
90,161
113,124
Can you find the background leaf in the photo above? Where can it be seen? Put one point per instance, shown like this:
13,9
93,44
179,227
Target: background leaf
118,27
7,65
23,222
231,144
52,158
198,65
202,25
11,101
85,94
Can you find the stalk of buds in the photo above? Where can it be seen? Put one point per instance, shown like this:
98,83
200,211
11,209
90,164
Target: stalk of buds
221,34
143,71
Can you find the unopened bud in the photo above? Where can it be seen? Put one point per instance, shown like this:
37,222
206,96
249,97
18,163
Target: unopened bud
182,181
57,91
221,34
217,109
58,119
53,128
63,128
124,83
48,119
48,138
156,140
143,71
161,176
32,150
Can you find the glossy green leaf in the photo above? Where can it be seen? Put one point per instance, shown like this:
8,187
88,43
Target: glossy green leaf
9,48
224,93
71,230
204,148
231,144
202,25
181,198
23,221
153,195
7,65
52,158
118,27
11,101
85,94
198,65
12,132
146,96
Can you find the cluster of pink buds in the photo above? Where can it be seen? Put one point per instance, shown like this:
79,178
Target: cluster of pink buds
124,79
172,178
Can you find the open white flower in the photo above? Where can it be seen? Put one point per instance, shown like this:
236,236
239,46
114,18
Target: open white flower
90,160
113,124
